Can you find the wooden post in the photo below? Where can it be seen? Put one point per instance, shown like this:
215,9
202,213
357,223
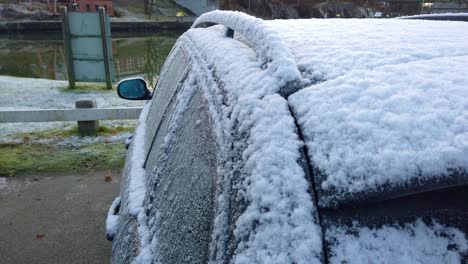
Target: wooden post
105,47
67,47
87,128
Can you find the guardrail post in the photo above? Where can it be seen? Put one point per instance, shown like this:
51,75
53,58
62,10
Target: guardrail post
87,128
67,47
105,46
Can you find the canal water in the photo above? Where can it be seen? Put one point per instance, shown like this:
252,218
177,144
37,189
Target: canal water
42,55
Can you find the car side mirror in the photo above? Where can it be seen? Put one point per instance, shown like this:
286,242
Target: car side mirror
133,89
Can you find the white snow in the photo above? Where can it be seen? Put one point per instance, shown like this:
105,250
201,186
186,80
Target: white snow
279,224
408,244
264,41
392,105
277,191
3,183
393,124
28,93
145,225
112,220
328,48
436,15
133,189
135,178
372,74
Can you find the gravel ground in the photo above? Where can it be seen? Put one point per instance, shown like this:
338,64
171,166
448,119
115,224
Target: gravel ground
56,219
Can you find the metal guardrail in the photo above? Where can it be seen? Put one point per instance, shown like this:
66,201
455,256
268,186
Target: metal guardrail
54,115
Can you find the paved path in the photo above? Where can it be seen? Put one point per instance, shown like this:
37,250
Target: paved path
55,219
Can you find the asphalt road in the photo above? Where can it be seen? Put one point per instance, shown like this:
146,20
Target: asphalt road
56,219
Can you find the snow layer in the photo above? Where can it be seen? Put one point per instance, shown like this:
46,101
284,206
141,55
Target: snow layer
394,124
279,224
133,188
408,244
327,48
112,220
147,226
277,191
392,105
135,177
436,15
264,41
28,93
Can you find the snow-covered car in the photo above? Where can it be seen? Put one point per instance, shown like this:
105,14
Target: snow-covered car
440,16
300,141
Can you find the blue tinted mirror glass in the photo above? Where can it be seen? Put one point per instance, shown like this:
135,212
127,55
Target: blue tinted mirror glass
133,89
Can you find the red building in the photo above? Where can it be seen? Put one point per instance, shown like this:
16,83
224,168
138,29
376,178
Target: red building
90,5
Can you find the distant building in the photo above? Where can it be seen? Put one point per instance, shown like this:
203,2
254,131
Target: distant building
200,6
448,7
413,7
402,7
89,5
274,9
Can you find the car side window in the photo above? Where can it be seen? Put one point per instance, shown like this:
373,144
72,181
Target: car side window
182,170
171,77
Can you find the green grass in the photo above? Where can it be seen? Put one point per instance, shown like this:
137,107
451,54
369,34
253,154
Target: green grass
40,158
64,133
37,158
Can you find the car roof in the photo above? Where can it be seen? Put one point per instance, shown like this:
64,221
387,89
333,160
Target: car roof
384,109
439,16
326,48
382,103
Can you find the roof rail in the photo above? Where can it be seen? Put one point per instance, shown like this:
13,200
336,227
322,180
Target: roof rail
266,43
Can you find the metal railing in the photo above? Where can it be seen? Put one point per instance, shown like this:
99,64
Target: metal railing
86,114
54,115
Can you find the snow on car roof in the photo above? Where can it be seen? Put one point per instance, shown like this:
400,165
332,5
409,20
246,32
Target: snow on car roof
264,40
437,15
384,101
387,99
327,48
391,125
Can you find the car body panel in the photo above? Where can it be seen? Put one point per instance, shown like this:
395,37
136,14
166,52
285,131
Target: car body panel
251,175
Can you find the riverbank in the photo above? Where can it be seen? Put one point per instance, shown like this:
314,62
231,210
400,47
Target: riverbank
56,26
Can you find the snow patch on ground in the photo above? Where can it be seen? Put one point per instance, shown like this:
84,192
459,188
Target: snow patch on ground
28,93
9,185
3,183
408,244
